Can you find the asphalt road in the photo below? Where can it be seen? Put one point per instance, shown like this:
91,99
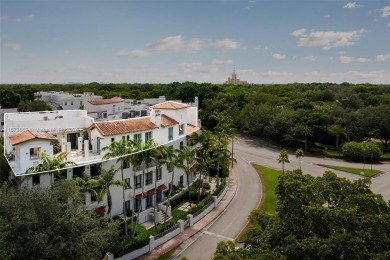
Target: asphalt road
247,150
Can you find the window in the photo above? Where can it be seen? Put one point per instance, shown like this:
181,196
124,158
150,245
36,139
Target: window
181,180
181,145
81,103
124,137
36,179
71,103
112,139
158,195
93,197
126,164
65,103
170,133
128,137
149,201
137,137
149,178
137,204
137,181
127,180
148,136
181,129
35,153
127,205
158,174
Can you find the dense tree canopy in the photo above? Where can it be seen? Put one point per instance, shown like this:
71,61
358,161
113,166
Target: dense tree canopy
318,218
48,223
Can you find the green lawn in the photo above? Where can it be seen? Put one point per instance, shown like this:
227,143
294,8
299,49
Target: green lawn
270,177
179,214
367,172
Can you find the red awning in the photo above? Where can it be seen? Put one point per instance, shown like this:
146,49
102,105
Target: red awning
162,187
140,197
100,210
151,192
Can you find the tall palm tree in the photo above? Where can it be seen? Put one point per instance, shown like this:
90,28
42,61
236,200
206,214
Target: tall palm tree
305,131
173,161
299,154
337,130
86,185
104,182
283,157
51,165
186,154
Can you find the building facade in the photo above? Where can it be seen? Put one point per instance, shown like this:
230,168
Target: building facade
27,135
233,80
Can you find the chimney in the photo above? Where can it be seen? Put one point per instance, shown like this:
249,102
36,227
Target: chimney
155,117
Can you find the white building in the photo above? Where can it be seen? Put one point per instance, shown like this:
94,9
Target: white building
103,108
65,101
233,80
27,135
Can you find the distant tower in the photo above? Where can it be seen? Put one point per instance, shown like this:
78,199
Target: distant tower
233,80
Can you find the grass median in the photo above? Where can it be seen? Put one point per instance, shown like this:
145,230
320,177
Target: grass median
358,171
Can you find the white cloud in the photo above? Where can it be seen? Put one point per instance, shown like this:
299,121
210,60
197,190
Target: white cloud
133,53
262,47
265,74
382,57
341,52
220,62
227,44
379,76
346,59
176,44
329,39
3,18
351,5
13,46
192,67
278,56
30,17
299,32
385,11
310,58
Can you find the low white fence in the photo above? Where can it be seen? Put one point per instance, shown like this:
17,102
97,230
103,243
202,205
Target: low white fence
176,230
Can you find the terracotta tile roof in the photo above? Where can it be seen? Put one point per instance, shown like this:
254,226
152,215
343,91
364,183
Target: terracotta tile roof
28,136
167,121
191,129
124,126
170,105
106,101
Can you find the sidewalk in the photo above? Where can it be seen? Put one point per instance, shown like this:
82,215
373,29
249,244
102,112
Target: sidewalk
189,232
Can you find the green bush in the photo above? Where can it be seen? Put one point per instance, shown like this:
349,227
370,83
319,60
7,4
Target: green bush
219,187
140,240
201,204
357,151
333,154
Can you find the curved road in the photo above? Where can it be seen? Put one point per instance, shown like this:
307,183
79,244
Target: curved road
248,149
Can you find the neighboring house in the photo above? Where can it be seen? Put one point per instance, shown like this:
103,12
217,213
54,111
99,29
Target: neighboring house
83,138
102,108
2,112
65,101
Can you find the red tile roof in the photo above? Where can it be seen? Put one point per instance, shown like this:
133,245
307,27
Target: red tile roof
170,105
124,126
167,121
28,136
106,101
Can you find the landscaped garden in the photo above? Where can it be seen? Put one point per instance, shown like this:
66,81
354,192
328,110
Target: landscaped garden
358,171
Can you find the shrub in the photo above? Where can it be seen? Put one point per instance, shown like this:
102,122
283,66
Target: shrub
357,151
219,187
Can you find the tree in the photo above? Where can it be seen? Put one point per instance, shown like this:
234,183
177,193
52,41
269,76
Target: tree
42,223
104,182
51,165
337,130
120,150
304,130
186,154
86,185
5,169
318,218
283,158
299,154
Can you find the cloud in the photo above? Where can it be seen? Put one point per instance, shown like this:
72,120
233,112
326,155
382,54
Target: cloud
192,67
262,47
310,58
346,59
327,40
388,24
30,17
227,44
351,5
278,56
176,44
385,11
133,53
299,32
13,46
3,18
382,57
220,62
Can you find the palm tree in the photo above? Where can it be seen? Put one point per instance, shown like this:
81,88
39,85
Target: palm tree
337,130
104,182
51,165
86,185
304,130
173,161
186,154
283,157
299,154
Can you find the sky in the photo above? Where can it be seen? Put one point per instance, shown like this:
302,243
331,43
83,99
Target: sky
265,42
